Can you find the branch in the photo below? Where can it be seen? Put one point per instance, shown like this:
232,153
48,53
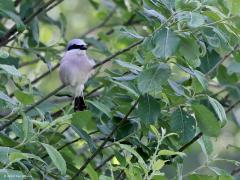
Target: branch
61,87
117,53
7,36
199,135
222,60
2,127
105,141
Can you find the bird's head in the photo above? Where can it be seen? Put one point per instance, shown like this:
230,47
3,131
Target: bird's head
76,44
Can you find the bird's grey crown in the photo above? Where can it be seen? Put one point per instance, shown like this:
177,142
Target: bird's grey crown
76,42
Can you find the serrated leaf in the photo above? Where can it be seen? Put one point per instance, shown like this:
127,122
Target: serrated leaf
218,108
190,50
165,43
56,158
183,124
207,122
10,70
201,78
152,79
148,109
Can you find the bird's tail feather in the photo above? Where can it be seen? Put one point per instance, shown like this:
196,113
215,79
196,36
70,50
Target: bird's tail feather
79,104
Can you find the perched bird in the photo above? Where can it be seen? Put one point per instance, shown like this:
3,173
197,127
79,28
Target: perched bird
75,69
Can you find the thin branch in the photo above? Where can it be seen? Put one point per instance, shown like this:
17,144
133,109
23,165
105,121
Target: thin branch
118,53
104,162
103,23
61,87
2,127
105,141
69,143
232,106
222,60
28,63
13,30
199,135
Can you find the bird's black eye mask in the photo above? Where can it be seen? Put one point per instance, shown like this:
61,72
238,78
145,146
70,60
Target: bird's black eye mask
75,46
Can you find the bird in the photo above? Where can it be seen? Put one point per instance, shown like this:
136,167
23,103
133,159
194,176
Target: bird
75,70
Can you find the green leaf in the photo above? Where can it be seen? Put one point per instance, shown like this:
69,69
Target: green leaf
218,108
19,23
224,77
132,151
3,54
102,107
178,88
201,78
83,119
165,43
152,79
10,61
4,154
27,127
92,173
157,165
190,50
207,122
56,158
84,135
9,174
148,109
10,70
24,98
127,88
7,98
128,65
170,153
209,61
196,20
17,156
7,5
183,124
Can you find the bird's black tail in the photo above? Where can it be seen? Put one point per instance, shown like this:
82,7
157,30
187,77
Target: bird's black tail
79,104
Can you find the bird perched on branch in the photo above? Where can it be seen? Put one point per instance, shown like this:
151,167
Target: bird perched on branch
75,69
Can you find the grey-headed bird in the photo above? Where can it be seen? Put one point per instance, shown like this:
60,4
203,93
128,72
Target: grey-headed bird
75,69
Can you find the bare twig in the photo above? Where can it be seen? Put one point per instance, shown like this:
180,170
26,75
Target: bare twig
105,141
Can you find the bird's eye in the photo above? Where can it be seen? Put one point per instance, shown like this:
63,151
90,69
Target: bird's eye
75,46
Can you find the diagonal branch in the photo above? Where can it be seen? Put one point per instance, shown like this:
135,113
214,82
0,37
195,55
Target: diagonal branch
2,127
62,86
13,30
199,135
105,141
